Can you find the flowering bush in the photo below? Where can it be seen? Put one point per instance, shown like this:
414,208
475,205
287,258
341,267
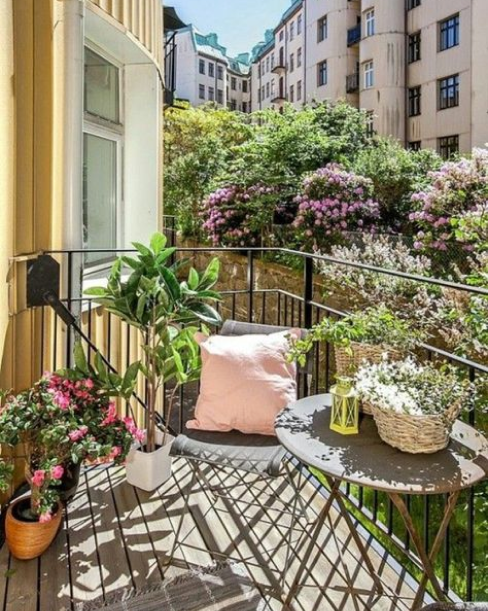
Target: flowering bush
334,202
410,388
409,299
239,216
471,228
457,188
62,419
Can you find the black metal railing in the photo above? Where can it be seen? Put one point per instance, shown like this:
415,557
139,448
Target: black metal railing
354,35
170,69
248,294
352,82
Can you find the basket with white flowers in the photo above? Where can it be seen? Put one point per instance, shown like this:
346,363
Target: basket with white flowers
414,405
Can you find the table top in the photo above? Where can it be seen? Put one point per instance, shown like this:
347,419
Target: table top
364,459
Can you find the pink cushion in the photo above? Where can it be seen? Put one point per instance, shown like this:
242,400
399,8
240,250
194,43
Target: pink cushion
245,382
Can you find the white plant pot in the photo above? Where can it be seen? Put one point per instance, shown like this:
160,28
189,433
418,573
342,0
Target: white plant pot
149,470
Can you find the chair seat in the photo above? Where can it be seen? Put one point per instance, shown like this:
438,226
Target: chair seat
253,453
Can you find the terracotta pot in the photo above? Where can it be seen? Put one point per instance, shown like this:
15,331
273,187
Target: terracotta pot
29,539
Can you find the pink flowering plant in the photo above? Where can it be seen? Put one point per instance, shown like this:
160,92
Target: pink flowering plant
239,216
64,418
334,202
458,189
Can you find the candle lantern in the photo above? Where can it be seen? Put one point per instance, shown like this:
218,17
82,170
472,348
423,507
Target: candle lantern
344,416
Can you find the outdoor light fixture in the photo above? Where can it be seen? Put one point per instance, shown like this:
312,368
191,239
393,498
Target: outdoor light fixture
344,416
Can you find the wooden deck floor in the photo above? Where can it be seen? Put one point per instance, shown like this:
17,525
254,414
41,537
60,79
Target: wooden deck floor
115,536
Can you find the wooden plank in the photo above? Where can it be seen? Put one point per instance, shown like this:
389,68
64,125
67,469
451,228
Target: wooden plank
4,560
54,583
22,585
142,560
113,559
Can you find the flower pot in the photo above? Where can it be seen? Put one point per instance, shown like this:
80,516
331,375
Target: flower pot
29,538
149,470
69,482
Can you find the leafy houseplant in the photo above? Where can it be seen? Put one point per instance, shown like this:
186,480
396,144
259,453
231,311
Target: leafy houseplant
165,311
59,420
414,405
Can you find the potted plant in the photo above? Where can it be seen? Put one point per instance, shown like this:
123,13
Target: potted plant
414,405
165,310
58,421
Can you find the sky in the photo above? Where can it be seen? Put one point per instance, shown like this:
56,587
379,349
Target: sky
240,24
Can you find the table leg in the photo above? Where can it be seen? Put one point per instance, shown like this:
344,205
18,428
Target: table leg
426,559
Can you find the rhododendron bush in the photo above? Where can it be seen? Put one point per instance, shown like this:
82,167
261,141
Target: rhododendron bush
63,418
334,201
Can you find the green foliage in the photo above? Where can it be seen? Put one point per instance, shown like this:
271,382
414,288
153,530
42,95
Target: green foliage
396,173
167,312
6,472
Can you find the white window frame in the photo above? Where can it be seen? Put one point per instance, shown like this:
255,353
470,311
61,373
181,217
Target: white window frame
369,23
113,132
368,74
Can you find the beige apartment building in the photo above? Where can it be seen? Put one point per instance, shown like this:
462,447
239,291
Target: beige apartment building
419,67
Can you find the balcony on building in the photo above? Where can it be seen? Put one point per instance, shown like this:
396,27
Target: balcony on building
279,69
352,82
354,35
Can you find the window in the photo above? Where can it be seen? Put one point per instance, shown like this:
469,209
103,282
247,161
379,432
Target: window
322,28
211,70
267,89
369,24
220,73
449,92
259,95
259,70
448,146
281,35
233,83
244,87
244,107
368,69
267,63
272,61
272,88
292,62
299,57
370,123
262,92
414,97
101,87
322,73
414,47
292,30
415,145
292,93
299,25
411,4
220,96
233,104
201,66
211,94
299,90
449,33
102,145
201,92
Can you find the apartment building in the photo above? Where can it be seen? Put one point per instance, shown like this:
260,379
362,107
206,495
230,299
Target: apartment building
206,73
278,63
417,66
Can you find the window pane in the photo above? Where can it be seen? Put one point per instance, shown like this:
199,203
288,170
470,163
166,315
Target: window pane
101,87
99,195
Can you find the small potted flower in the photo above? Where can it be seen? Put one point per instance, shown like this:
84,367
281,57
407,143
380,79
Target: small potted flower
60,421
414,405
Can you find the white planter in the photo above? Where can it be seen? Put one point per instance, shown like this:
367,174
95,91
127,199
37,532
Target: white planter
149,470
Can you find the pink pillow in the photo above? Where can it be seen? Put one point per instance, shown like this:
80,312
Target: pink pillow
245,382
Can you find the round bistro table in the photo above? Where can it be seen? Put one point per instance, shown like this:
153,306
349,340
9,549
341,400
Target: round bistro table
365,460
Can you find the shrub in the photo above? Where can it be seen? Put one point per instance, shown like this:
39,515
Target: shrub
334,202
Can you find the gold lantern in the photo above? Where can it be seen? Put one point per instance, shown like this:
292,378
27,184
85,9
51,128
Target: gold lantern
344,415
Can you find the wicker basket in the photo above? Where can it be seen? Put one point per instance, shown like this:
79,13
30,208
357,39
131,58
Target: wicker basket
347,364
415,434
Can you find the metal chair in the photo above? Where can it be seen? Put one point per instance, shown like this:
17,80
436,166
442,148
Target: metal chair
239,453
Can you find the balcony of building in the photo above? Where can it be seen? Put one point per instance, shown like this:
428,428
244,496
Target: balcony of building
352,82
354,35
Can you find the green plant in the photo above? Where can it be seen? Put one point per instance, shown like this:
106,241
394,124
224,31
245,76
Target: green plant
164,309
375,325
6,472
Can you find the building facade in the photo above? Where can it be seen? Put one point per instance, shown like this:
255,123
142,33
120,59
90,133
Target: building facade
417,66
81,90
206,74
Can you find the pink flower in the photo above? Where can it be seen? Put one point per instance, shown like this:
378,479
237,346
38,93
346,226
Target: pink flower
38,477
45,517
137,433
78,433
88,383
116,451
111,416
57,472
61,400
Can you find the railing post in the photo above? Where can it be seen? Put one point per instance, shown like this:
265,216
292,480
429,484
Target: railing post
307,291
250,285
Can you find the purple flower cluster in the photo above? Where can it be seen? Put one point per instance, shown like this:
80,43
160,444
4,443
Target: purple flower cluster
234,216
457,188
334,202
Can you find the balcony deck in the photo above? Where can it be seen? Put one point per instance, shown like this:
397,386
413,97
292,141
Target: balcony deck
116,537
